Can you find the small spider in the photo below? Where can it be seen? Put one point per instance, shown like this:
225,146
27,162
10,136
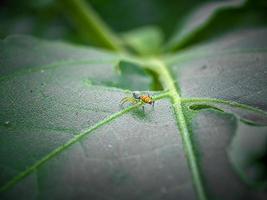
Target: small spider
138,98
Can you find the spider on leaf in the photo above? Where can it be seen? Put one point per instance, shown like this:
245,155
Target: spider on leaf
137,97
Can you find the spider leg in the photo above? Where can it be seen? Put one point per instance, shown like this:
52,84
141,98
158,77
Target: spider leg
124,100
128,99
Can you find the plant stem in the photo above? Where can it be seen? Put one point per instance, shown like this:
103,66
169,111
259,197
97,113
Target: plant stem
90,25
168,84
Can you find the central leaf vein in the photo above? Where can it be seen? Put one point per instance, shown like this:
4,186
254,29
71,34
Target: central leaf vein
169,84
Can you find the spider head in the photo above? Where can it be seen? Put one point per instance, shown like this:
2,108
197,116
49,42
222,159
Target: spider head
136,95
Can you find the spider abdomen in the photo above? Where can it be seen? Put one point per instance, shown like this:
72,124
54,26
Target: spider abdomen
146,99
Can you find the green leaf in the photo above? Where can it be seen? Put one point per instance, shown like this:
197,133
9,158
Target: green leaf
139,38
214,19
224,86
214,133
64,134
231,68
46,99
129,76
248,154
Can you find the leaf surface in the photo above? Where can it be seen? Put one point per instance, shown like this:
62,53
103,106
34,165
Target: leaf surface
224,86
64,134
55,99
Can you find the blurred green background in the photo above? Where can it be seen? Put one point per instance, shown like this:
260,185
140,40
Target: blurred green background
50,20
46,19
